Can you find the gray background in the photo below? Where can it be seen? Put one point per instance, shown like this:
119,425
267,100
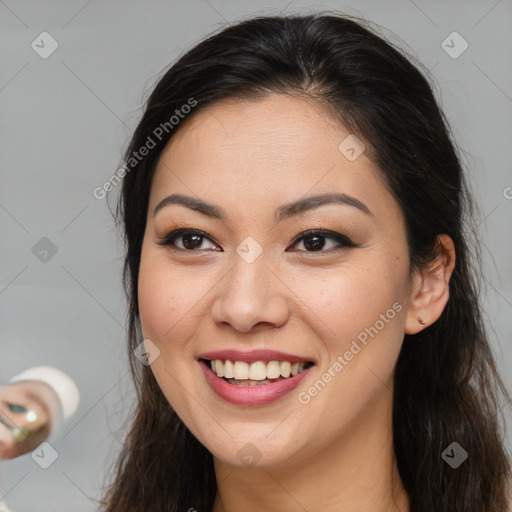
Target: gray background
65,121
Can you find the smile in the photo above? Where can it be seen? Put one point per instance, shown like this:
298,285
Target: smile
253,383
256,373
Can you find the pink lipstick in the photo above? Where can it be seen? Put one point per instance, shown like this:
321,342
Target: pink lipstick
268,386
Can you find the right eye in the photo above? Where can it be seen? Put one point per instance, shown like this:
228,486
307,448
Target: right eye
17,409
191,239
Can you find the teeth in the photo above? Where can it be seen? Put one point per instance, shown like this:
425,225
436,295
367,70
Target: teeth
241,370
286,369
256,371
219,368
273,369
228,369
249,383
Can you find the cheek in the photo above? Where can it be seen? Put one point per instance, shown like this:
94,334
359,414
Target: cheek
157,306
162,298
359,315
343,302
172,302
163,305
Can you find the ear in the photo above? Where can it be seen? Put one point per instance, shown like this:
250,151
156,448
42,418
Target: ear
430,287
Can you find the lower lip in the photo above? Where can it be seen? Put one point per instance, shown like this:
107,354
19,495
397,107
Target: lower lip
252,395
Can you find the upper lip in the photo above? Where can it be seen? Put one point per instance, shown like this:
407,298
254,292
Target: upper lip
253,356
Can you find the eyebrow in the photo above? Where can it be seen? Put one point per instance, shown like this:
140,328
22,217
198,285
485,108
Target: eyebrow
282,213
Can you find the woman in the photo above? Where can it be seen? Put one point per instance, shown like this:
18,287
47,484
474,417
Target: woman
297,263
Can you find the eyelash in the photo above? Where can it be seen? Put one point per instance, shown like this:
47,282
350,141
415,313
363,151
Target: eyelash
342,240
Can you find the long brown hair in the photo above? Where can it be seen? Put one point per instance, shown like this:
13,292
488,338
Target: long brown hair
447,388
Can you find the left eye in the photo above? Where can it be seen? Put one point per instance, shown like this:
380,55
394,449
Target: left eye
314,240
17,409
317,239
191,238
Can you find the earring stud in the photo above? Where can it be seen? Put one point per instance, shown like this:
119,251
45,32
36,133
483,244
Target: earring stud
421,321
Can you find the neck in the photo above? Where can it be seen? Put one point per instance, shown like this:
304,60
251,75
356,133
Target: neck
358,472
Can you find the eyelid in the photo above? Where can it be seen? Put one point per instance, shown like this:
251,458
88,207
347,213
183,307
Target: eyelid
340,238
176,233
16,407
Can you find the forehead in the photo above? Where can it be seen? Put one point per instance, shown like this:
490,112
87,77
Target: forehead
268,151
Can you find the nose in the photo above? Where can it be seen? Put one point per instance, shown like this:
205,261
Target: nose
251,297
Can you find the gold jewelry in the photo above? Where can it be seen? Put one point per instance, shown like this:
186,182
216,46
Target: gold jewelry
421,321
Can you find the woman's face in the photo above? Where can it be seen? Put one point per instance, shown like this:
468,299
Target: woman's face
255,286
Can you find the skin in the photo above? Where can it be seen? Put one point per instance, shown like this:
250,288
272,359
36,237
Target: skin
250,157
32,399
